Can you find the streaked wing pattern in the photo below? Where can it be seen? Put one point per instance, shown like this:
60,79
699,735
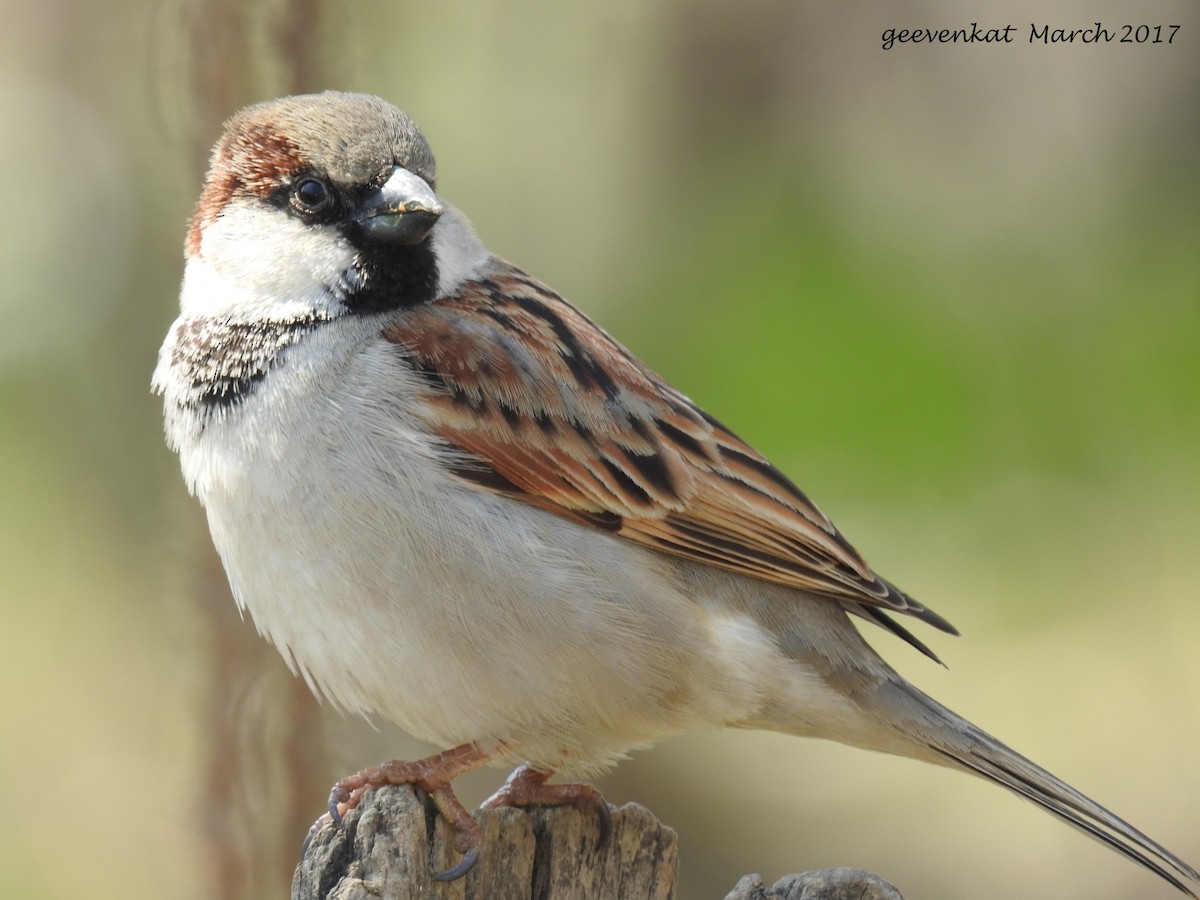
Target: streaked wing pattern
549,409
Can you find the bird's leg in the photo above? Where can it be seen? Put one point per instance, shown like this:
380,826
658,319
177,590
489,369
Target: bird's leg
527,787
433,775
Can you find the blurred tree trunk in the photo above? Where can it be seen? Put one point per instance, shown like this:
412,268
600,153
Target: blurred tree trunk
247,50
266,771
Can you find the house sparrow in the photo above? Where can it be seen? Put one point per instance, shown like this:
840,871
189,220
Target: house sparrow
451,500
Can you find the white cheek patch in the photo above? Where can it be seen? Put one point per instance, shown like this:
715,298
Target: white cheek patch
257,262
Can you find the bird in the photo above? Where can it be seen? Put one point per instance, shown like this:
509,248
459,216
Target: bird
454,502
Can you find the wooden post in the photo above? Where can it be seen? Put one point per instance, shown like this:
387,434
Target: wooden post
384,851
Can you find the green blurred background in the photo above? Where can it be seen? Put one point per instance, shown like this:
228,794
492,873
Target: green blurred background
954,291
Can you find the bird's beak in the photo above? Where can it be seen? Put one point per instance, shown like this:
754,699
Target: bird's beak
401,212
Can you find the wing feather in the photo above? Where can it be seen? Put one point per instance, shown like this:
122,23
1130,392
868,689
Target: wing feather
545,407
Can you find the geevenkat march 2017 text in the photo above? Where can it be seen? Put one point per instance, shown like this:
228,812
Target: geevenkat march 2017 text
974,33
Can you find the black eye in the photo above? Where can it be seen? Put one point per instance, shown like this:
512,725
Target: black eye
311,194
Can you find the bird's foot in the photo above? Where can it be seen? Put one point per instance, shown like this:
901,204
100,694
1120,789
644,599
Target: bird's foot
527,787
433,775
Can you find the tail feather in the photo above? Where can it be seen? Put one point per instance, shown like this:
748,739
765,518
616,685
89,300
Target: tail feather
960,744
1081,812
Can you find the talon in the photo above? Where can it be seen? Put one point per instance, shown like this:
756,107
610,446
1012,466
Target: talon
604,815
463,866
340,793
314,830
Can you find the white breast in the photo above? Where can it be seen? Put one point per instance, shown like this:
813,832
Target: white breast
398,590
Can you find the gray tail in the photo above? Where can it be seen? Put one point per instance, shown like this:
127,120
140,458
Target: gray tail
948,738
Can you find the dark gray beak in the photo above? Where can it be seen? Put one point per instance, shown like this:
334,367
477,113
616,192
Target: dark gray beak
401,212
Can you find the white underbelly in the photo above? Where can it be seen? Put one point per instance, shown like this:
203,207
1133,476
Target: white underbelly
399,592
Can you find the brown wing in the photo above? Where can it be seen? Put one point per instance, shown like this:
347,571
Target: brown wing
549,409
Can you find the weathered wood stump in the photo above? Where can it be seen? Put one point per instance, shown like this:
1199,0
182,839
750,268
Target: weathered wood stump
390,846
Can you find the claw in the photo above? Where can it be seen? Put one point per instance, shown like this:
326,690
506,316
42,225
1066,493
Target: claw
604,816
335,815
461,868
314,830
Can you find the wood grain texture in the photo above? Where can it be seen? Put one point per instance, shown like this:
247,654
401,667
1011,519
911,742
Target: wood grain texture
384,850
